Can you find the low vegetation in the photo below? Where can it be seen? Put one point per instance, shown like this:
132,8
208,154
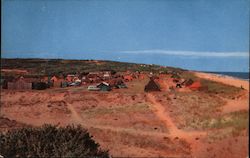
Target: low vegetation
219,88
49,141
177,147
237,120
188,75
39,67
117,109
192,109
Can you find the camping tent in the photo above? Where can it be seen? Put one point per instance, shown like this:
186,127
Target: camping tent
188,82
195,86
152,86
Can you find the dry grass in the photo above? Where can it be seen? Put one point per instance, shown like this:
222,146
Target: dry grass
220,89
163,145
117,109
237,120
191,110
136,86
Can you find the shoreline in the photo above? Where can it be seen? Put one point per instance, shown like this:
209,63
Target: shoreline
229,80
226,74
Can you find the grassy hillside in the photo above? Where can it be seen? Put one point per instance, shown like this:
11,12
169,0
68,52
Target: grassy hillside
60,66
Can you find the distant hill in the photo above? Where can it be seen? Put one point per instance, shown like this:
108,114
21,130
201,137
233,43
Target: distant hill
60,66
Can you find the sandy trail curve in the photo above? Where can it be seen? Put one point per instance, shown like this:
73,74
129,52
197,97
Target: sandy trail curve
78,120
235,105
160,112
231,105
189,136
174,131
163,115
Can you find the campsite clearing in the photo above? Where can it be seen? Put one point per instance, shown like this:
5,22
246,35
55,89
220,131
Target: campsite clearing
130,122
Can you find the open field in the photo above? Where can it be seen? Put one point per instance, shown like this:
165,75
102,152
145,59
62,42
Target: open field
129,122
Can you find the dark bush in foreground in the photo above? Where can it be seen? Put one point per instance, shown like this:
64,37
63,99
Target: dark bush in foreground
49,141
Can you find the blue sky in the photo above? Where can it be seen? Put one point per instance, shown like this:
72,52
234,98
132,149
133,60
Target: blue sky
209,35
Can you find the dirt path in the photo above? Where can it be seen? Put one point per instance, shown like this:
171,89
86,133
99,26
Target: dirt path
76,117
161,113
189,136
175,132
78,120
192,137
235,105
231,105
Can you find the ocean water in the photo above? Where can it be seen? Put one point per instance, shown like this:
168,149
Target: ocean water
241,75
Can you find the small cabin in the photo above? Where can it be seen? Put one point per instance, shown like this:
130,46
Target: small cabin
127,78
20,84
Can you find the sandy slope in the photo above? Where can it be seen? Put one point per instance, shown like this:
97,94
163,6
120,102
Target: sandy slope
240,103
224,79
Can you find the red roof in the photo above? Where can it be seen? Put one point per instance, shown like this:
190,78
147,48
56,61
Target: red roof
128,77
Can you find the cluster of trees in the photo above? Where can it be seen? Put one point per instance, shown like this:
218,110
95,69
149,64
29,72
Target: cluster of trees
50,141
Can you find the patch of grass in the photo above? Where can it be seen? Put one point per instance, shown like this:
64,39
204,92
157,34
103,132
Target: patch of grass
119,109
229,125
219,88
238,120
136,86
192,109
220,134
165,144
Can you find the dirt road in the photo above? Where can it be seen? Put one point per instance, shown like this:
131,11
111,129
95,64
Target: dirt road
161,113
192,137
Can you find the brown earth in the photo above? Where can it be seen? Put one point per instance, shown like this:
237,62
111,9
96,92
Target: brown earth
129,122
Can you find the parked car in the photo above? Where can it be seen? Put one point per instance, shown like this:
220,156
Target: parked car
93,88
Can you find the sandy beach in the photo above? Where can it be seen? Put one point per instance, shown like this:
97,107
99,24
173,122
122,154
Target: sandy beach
224,79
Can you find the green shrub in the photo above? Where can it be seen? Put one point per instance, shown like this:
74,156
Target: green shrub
49,141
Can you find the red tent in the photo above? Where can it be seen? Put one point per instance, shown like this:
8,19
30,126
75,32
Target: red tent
195,86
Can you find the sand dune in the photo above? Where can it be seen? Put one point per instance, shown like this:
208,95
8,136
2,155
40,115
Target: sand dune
224,79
